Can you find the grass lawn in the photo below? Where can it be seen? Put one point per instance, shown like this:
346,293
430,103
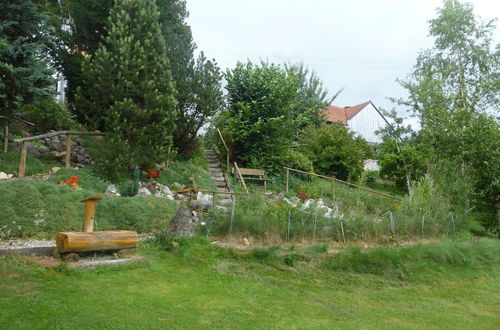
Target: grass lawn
201,286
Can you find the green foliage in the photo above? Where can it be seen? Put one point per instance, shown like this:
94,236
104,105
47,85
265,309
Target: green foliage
138,109
24,66
266,110
454,91
70,43
48,115
297,160
132,187
334,150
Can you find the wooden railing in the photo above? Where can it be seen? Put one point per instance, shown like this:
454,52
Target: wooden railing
287,173
237,170
227,150
24,147
6,131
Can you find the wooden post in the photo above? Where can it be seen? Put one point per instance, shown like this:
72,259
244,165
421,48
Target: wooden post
241,177
228,170
232,215
333,189
22,162
287,173
88,220
68,151
213,199
6,138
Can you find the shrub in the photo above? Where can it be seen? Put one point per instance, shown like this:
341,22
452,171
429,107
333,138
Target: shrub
334,150
49,115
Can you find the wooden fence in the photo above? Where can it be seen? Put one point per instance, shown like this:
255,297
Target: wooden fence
69,134
287,174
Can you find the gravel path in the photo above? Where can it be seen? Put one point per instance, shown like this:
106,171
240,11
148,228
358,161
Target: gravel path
26,243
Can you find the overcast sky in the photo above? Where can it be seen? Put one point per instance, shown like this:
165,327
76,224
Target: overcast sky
361,45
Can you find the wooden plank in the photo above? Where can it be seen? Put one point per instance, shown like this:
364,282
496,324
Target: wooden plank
341,181
96,241
42,136
241,177
250,171
6,138
287,174
67,161
22,161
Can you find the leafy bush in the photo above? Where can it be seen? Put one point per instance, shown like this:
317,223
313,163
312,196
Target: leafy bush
334,150
49,115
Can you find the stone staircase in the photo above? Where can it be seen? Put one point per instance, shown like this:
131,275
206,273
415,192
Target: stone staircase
217,174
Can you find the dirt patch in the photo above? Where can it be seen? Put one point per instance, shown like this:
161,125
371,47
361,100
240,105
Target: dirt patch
44,261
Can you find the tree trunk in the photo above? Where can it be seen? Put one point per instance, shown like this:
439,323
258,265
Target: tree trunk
96,241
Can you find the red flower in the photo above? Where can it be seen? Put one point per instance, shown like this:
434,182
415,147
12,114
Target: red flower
152,174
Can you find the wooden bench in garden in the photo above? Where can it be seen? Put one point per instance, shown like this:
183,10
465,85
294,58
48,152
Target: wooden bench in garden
252,174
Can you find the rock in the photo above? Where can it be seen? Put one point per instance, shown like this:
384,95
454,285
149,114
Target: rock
179,186
111,190
246,242
182,223
202,201
226,202
3,176
144,192
221,208
43,148
33,151
166,191
54,170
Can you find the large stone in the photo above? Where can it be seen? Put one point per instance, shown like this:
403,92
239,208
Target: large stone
182,223
3,176
144,192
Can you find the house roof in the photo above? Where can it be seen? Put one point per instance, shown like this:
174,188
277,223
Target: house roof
338,114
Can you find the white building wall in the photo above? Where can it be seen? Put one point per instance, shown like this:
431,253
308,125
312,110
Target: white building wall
366,123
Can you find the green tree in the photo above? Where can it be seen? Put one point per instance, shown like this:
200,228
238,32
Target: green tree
454,90
334,150
198,82
25,76
265,112
76,29
129,89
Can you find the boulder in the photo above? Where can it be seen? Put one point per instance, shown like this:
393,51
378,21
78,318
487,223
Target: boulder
144,192
182,223
3,176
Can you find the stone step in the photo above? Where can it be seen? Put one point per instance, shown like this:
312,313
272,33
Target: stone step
222,189
219,179
214,165
221,184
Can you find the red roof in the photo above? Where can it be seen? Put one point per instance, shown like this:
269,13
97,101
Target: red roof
338,114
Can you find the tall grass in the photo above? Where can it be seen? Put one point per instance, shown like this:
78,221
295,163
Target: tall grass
429,211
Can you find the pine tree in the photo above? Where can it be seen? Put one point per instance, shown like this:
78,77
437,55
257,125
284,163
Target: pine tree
129,91
25,76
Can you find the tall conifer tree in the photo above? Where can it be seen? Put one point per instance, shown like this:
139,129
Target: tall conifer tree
129,91
25,76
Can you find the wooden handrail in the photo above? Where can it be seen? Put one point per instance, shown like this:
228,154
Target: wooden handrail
223,141
241,177
344,182
227,149
24,147
46,135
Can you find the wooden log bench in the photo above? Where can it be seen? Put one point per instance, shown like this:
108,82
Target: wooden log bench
252,174
96,241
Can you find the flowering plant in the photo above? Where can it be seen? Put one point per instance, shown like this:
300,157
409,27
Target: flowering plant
73,182
302,194
153,174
